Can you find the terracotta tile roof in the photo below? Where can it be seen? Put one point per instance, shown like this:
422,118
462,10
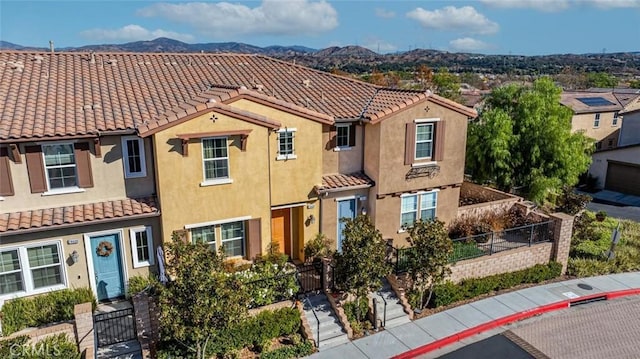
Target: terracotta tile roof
572,100
78,214
341,181
49,95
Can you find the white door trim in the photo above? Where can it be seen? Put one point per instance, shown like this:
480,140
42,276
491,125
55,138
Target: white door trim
89,255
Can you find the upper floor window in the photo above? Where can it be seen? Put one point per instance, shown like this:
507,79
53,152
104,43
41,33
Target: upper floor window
418,206
133,157
286,144
614,122
215,157
142,247
60,165
424,141
596,120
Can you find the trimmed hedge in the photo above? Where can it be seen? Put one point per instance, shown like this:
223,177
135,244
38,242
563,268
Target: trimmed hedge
295,351
449,292
51,307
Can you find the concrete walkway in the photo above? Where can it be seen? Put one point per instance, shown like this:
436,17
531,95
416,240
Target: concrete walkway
446,327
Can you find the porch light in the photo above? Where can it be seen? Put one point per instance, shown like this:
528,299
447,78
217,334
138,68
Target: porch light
311,219
363,210
75,256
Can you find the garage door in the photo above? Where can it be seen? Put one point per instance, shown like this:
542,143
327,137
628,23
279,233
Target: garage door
623,177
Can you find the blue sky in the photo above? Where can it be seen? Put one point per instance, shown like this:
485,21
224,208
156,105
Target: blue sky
527,27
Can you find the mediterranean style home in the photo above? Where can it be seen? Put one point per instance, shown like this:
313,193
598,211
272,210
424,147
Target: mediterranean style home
597,114
105,156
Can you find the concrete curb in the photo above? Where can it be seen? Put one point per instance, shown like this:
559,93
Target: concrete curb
563,304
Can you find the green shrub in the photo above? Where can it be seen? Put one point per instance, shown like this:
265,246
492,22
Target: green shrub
138,283
300,350
448,292
318,247
55,346
269,281
51,307
465,250
357,309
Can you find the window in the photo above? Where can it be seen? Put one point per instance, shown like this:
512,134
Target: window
10,273
286,148
31,270
596,121
133,157
60,166
424,140
233,238
342,136
615,119
610,143
215,159
204,235
418,206
142,247
231,234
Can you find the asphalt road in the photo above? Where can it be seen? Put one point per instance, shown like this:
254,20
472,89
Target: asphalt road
625,212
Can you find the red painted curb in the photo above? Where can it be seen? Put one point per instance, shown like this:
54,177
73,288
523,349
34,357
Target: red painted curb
563,304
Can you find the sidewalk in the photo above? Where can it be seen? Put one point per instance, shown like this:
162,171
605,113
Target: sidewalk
446,327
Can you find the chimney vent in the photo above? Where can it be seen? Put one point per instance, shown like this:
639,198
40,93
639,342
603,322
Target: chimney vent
38,58
51,45
306,83
258,87
93,57
112,61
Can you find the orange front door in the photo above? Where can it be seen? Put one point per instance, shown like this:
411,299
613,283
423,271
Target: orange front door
281,230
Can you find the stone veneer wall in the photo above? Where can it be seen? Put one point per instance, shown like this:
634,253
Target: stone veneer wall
523,257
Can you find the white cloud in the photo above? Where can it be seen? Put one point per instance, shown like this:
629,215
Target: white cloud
271,17
468,44
540,5
559,5
385,14
133,33
379,46
465,19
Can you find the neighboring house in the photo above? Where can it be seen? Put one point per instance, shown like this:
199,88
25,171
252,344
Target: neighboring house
105,156
597,114
618,169
630,131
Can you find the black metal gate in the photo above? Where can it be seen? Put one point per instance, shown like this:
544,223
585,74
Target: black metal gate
310,276
115,327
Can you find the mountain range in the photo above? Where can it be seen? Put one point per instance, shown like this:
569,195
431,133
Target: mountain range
357,59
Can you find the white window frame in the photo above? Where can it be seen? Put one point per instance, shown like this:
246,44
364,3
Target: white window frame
596,121
614,122
125,157
415,150
221,180
292,155
137,263
61,190
419,208
26,270
242,239
217,232
338,127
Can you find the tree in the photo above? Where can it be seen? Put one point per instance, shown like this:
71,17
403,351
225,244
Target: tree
428,258
523,138
447,84
601,79
634,84
202,299
361,263
424,76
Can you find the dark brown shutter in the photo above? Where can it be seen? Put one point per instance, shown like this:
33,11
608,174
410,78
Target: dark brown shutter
35,168
254,238
439,147
410,143
83,164
6,184
333,137
352,135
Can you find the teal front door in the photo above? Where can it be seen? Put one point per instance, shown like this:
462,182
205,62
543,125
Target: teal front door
107,266
346,210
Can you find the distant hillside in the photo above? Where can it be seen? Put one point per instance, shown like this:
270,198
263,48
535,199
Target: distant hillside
356,59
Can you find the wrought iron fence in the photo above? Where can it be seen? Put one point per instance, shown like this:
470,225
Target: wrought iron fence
310,276
482,244
115,327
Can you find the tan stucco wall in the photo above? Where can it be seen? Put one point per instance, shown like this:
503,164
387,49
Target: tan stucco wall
387,213
184,201
77,274
372,151
599,161
391,150
329,225
345,160
292,180
108,181
585,122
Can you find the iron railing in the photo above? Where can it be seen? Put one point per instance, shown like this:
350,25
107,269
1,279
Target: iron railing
482,244
305,298
115,327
